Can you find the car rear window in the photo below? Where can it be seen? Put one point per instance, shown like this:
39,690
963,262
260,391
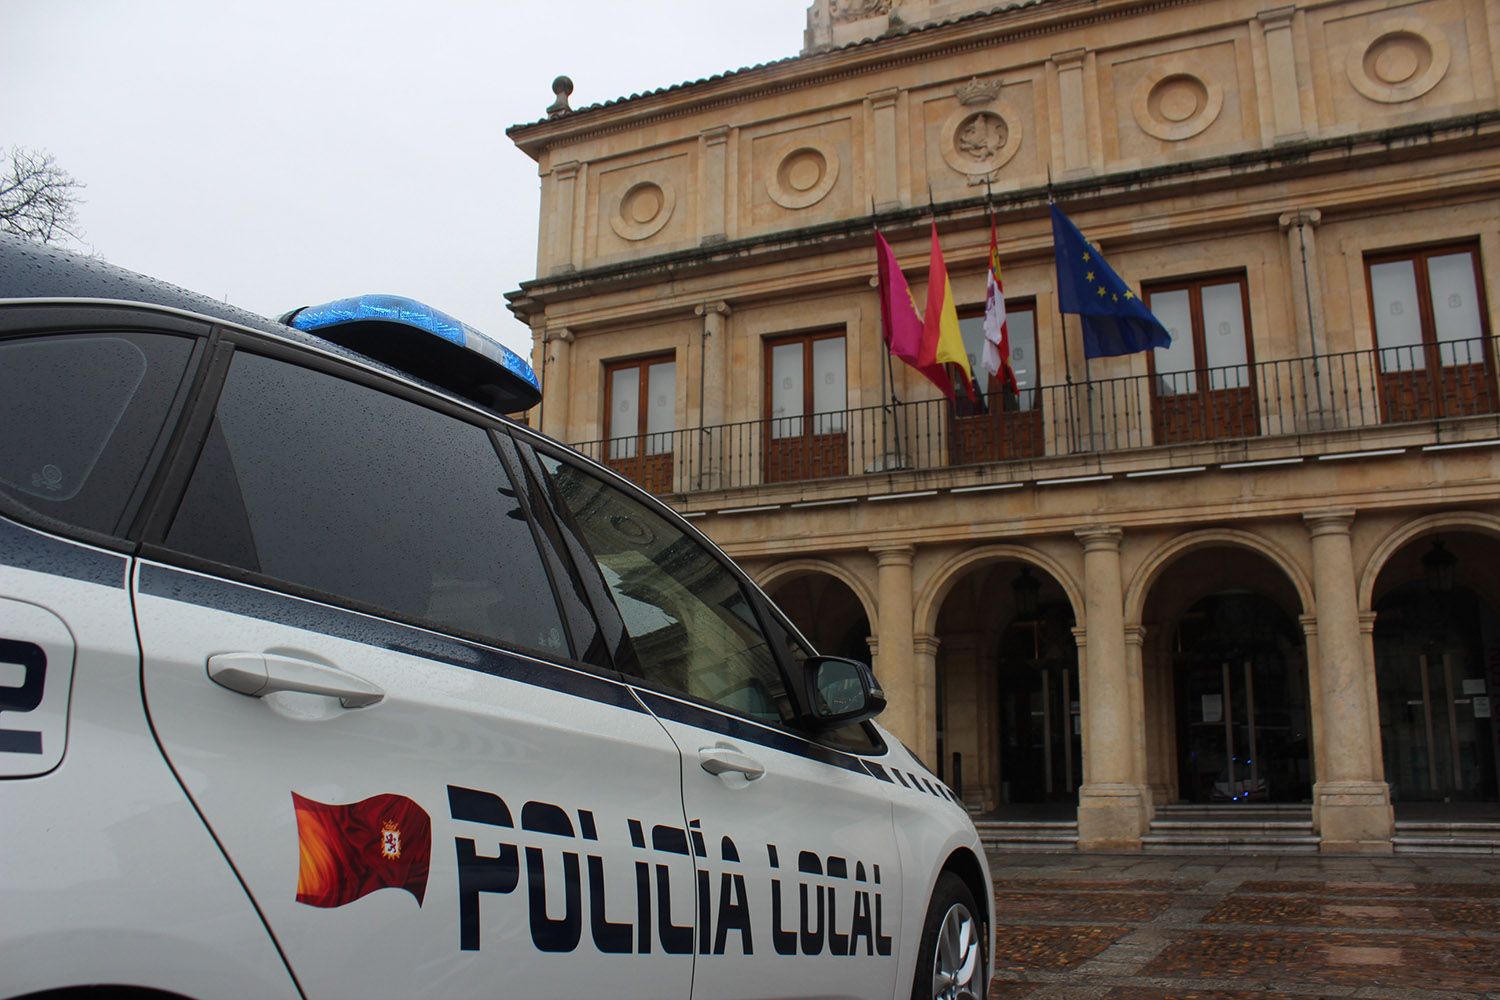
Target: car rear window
80,415
348,491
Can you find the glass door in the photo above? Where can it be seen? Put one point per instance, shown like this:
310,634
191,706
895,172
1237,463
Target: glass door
806,395
1203,385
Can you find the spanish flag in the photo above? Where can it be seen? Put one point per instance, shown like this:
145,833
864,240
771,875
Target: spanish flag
349,851
941,341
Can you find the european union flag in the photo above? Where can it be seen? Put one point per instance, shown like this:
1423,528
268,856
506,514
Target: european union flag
1115,320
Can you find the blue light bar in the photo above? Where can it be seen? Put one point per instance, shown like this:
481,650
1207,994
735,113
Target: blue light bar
381,326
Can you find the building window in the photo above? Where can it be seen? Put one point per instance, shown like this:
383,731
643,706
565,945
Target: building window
1203,385
1002,425
640,399
806,399
1427,307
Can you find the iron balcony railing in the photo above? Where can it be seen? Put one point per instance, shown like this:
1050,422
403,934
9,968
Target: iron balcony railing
1356,389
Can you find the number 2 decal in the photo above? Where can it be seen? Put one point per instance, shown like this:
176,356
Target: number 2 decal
20,697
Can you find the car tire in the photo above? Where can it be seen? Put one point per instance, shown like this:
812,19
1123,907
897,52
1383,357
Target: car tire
951,962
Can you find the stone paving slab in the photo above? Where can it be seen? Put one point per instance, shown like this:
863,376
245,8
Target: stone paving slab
1237,927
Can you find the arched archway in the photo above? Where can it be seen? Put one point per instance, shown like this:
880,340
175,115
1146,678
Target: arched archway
1436,598
825,606
1228,703
1007,698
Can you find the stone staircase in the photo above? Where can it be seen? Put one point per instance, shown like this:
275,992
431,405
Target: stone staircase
1424,836
1028,835
1247,829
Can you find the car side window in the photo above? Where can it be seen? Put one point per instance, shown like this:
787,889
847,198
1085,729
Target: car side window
340,488
690,621
80,415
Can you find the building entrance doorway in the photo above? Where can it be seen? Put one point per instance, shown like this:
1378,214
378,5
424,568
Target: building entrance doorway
1240,679
1437,728
1041,748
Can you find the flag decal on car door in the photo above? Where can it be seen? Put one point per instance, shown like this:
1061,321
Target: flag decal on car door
348,851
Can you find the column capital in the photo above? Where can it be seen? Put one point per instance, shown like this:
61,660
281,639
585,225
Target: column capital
1277,17
566,171
925,644
1329,522
1309,625
1135,635
884,98
720,308
556,334
1367,622
1080,635
893,554
1070,58
1300,217
874,643
1099,537
716,136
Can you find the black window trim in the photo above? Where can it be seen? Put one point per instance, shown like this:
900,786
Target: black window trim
174,482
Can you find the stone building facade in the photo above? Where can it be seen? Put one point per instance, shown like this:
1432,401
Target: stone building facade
1262,566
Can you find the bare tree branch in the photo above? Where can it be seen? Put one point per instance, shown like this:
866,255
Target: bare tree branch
38,198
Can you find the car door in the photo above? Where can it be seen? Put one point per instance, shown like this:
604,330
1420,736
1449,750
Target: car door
381,688
798,872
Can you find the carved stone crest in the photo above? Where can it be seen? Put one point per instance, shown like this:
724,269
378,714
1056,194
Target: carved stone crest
854,10
982,136
977,91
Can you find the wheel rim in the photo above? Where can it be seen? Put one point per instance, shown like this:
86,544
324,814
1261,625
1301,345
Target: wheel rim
955,959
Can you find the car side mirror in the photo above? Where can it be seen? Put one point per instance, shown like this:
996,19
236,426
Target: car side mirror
841,692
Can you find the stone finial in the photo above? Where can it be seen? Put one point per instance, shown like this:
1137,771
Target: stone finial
562,87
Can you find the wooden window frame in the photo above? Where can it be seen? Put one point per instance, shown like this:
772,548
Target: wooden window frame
652,472
1240,419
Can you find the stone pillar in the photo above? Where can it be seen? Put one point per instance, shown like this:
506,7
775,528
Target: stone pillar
1305,277
1353,802
712,184
1071,108
1281,63
924,688
1112,804
557,351
706,450
1081,646
896,667
560,219
1135,638
1367,650
1314,702
885,166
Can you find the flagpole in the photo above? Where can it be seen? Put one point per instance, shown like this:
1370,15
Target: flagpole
889,405
1063,320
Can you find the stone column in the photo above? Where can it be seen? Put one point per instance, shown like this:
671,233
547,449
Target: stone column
1300,226
1071,108
557,350
885,166
1135,638
1081,646
1281,63
1367,650
1353,802
924,687
560,219
897,665
712,184
1112,804
1314,702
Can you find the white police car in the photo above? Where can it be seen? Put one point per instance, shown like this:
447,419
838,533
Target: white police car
318,678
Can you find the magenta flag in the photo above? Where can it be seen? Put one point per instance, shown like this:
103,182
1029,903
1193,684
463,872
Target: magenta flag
900,324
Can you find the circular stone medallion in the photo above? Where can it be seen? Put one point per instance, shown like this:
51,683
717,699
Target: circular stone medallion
1172,103
804,174
1401,60
979,141
642,210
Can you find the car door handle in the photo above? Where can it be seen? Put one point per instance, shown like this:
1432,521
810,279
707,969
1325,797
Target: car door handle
260,674
724,758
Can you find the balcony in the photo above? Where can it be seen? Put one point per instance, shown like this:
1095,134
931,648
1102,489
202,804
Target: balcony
1327,402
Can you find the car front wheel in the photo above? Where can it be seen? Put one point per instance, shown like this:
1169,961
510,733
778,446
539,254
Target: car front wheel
951,964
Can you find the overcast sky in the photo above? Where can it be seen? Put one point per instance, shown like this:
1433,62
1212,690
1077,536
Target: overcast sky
279,153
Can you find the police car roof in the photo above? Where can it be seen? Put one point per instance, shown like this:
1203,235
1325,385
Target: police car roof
31,271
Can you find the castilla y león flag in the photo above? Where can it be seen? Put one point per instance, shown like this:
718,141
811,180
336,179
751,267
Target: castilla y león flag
349,851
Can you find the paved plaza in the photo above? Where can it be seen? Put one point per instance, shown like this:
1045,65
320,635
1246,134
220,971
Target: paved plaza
1227,927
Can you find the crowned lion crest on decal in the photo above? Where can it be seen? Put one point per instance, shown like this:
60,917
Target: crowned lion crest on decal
390,840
